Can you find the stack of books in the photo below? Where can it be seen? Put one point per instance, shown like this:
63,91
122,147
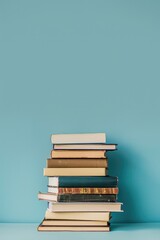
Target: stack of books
81,195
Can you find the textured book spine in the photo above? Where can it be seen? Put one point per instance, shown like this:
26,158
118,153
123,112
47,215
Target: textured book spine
87,190
87,198
71,163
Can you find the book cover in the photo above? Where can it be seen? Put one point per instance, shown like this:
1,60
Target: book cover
78,154
98,216
86,198
50,197
78,138
77,163
107,147
59,191
84,207
75,171
80,182
42,228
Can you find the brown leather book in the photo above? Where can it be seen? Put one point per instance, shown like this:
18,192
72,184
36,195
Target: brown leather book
77,163
83,190
78,154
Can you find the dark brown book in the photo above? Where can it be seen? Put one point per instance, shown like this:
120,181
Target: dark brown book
78,154
62,191
68,198
77,163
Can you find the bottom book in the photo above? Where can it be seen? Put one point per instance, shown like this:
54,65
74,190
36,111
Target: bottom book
73,228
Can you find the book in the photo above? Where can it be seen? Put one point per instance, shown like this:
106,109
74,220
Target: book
50,197
60,191
77,163
107,147
78,154
78,182
73,228
49,222
85,207
75,171
97,216
78,138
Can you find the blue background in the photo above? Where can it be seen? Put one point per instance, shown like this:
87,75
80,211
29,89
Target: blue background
79,66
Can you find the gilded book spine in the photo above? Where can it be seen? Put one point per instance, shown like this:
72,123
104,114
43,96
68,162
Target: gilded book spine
87,190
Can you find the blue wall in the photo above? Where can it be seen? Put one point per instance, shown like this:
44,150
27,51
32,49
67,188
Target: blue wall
79,66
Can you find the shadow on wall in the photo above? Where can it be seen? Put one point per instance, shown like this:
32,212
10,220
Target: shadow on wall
122,164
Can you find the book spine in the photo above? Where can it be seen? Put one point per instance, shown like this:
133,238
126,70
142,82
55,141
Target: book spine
87,198
71,163
87,190
78,154
78,138
88,182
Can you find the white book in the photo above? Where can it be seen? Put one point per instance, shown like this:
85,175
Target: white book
98,216
85,207
55,222
107,147
78,138
42,228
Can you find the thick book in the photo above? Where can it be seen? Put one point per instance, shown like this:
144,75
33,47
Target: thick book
78,154
49,222
92,216
77,163
80,182
73,228
50,197
60,191
107,147
85,207
78,138
75,172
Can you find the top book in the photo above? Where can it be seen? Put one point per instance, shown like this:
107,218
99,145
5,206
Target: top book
78,138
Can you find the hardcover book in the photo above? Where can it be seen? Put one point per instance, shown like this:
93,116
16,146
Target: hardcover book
80,182
78,154
60,191
50,222
77,163
75,171
107,147
85,207
93,216
78,138
73,228
50,197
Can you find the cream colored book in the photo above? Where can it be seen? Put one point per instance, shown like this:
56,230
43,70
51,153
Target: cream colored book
78,138
93,216
73,229
75,172
73,223
107,147
78,154
85,207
